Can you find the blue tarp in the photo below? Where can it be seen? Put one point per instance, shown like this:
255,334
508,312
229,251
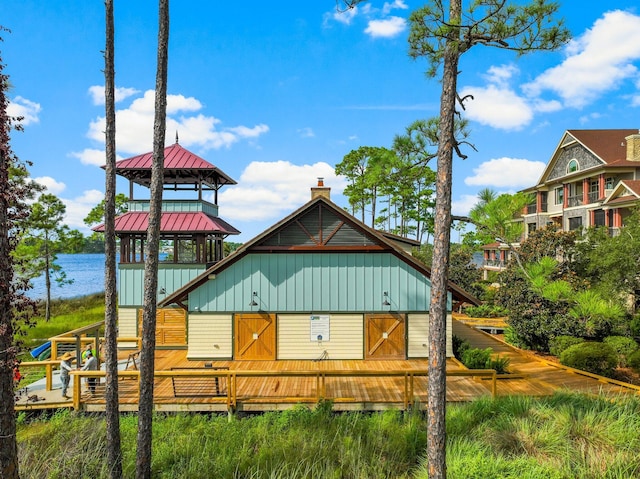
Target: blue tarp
40,349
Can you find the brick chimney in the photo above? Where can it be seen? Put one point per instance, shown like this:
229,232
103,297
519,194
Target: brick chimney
633,147
320,190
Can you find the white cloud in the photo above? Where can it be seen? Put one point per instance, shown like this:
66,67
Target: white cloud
268,190
134,132
388,6
121,93
596,62
78,208
497,107
54,187
306,132
344,16
506,173
386,28
463,205
500,75
90,156
27,109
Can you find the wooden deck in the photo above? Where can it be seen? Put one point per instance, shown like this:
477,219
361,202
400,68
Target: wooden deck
183,385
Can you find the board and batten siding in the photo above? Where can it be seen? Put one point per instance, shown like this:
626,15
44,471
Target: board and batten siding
170,277
346,337
418,336
127,325
210,336
310,282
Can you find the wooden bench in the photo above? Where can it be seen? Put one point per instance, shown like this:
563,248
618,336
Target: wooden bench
190,386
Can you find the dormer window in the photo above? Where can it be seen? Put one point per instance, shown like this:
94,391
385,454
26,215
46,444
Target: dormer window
573,166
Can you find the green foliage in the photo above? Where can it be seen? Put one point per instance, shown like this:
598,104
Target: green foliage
633,360
493,217
44,237
533,320
561,436
485,311
96,215
512,338
623,346
463,271
594,357
475,358
560,343
459,346
634,325
611,263
598,315
487,23
500,364
66,315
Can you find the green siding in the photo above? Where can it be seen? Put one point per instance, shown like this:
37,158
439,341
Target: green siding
306,282
170,277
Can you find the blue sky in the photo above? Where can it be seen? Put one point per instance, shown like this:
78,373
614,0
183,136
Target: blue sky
276,93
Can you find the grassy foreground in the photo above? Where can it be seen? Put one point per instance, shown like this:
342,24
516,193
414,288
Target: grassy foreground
66,315
564,436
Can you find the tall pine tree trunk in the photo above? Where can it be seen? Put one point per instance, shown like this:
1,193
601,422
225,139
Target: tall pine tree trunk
145,414
437,386
114,448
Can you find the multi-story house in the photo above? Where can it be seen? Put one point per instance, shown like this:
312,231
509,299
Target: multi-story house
592,179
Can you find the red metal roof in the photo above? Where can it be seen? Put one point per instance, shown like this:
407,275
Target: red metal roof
180,167
195,222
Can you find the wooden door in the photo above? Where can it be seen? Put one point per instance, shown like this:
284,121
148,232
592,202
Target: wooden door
385,336
255,336
171,327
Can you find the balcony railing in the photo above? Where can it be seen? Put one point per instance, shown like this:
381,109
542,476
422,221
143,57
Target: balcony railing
575,200
593,196
531,209
496,263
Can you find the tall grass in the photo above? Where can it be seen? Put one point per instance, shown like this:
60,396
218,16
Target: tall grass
66,314
563,436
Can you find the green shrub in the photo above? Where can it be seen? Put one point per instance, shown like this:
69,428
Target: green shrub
560,343
594,357
459,346
475,358
634,360
500,364
623,346
512,338
634,325
485,311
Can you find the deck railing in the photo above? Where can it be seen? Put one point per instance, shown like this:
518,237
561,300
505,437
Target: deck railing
35,367
233,388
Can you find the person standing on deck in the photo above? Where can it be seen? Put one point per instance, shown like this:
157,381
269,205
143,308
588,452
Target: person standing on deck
65,369
91,364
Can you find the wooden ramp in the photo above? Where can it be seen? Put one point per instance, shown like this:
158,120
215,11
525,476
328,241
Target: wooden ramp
540,378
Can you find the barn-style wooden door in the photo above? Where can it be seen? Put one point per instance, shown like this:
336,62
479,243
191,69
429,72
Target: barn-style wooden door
385,336
255,336
171,327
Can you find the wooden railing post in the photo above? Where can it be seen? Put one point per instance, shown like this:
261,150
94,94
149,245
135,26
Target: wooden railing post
77,390
49,376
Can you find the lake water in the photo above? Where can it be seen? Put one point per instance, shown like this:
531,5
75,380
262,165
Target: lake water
87,271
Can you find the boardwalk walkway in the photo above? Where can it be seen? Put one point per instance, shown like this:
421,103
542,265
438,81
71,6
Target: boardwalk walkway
540,378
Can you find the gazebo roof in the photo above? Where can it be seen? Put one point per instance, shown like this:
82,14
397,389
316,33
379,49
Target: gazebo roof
181,167
193,222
